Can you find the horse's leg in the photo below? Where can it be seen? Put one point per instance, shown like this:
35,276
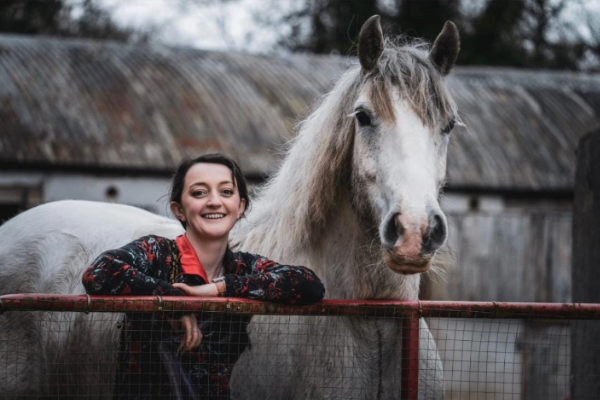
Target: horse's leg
81,349
262,372
82,360
21,357
52,354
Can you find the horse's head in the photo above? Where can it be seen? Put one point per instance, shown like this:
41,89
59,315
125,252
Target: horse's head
403,115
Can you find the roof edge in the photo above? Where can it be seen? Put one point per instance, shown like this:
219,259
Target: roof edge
559,193
252,176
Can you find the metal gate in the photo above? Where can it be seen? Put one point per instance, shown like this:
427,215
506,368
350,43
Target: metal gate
488,350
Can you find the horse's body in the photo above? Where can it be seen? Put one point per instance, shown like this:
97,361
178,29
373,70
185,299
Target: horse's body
355,200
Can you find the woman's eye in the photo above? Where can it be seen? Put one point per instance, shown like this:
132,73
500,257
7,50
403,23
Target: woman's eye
228,192
363,118
198,193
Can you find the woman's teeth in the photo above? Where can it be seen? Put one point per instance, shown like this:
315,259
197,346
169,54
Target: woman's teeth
213,216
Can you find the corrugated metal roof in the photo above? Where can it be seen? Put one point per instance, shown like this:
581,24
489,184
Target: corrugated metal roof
100,104
523,127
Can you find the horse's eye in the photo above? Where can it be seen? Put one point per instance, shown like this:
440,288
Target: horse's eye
363,118
449,127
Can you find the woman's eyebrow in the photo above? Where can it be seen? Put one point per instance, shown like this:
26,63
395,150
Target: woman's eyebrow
205,184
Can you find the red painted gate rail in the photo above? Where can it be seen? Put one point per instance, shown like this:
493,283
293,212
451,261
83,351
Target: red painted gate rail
410,311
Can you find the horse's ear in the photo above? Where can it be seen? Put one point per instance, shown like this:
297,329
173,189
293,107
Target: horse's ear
445,48
370,43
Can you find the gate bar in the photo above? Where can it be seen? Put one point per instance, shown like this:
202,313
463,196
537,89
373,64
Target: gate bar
409,384
382,308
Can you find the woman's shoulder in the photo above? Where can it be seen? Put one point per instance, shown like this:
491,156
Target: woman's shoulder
242,262
240,256
255,262
246,256
154,241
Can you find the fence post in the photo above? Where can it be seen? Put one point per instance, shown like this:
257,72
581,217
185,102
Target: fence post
585,360
410,357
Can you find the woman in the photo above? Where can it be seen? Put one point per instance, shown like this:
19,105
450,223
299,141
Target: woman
184,357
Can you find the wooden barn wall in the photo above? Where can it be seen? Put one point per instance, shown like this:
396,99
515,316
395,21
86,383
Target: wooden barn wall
518,255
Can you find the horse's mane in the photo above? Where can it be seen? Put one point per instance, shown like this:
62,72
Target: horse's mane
405,64
295,205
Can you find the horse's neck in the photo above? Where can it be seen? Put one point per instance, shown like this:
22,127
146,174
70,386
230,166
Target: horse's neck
349,260
292,206
346,257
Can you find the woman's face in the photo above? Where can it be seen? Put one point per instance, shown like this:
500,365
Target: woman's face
210,202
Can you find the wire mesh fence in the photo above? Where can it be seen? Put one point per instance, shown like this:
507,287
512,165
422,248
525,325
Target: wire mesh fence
84,347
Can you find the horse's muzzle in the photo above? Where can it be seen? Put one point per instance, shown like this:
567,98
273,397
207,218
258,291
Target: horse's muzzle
413,237
402,264
409,243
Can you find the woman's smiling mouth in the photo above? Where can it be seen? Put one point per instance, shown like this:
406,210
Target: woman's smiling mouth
213,216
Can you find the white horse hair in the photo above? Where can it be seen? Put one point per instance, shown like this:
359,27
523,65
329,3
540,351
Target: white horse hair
356,200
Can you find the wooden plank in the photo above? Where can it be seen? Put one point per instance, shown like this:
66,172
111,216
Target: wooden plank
586,265
516,255
545,352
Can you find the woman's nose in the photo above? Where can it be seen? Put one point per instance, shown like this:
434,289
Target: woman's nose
213,200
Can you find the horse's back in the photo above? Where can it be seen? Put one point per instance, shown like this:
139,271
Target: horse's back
46,249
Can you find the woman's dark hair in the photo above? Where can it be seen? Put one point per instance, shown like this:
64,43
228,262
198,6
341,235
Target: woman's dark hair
178,180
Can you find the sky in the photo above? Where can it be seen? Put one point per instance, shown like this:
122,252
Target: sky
232,25
212,25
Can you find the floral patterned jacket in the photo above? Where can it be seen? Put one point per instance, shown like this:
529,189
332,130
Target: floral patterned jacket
149,364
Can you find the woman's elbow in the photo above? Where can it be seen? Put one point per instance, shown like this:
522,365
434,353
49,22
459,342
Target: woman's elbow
319,292
91,282
313,293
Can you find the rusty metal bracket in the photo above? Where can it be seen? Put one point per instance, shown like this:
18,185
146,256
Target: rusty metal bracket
160,302
89,304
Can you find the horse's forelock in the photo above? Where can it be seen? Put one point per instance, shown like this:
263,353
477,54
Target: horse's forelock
381,99
406,65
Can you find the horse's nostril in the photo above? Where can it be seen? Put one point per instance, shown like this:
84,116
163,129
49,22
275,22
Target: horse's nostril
393,230
435,236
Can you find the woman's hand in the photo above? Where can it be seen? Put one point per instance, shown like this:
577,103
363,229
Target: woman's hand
191,333
188,323
208,290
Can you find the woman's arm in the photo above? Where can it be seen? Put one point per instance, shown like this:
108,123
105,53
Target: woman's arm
262,279
138,268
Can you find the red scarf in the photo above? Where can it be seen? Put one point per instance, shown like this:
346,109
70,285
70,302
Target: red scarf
190,264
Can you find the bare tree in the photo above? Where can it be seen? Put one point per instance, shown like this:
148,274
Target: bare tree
521,33
56,18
